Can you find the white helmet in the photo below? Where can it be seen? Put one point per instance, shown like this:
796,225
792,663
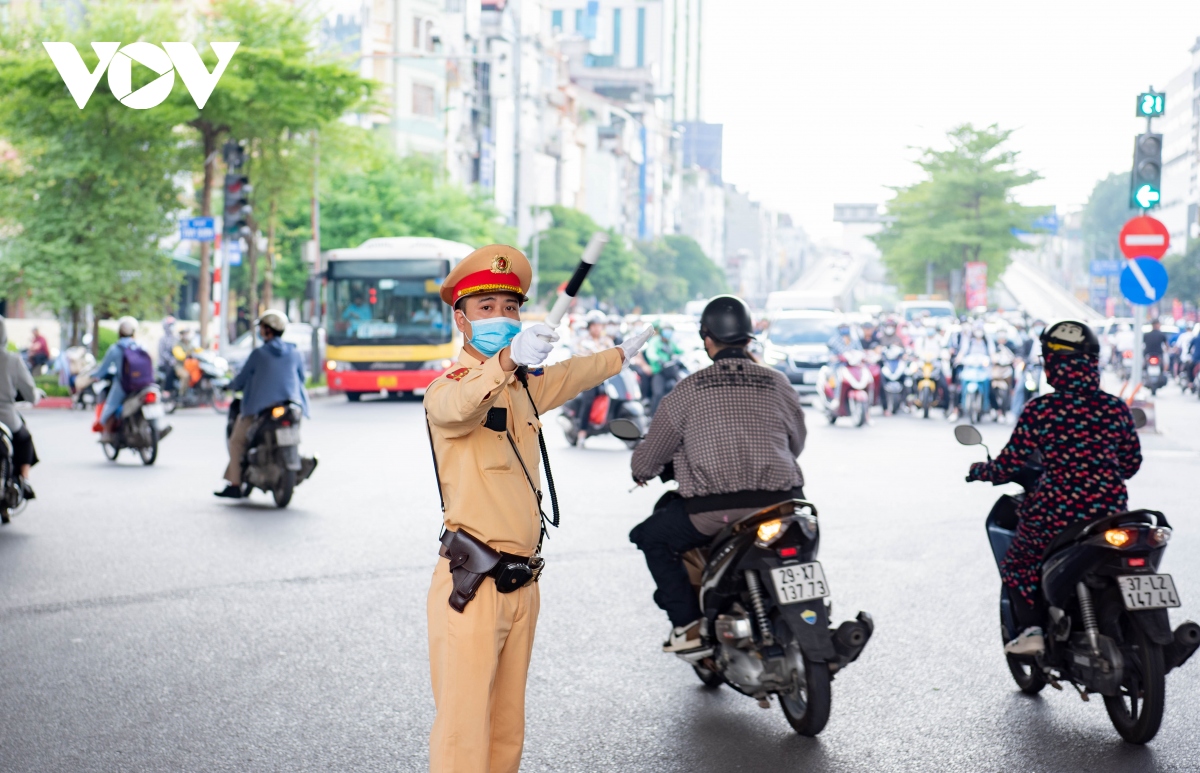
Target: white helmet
595,317
126,326
274,319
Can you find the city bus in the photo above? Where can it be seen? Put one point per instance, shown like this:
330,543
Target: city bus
387,329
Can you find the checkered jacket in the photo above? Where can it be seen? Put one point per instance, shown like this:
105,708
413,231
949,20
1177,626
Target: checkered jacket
733,426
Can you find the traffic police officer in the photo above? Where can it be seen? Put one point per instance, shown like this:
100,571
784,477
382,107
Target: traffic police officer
484,426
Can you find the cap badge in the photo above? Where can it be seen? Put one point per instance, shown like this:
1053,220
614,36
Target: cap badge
500,265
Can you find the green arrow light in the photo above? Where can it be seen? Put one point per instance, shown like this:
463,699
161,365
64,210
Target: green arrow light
1146,197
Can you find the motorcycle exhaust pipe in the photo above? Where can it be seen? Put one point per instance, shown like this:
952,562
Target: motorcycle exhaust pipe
1187,641
851,636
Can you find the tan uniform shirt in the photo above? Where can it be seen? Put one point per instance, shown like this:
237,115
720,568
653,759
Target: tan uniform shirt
483,485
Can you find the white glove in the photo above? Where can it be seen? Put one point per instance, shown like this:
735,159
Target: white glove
634,343
533,345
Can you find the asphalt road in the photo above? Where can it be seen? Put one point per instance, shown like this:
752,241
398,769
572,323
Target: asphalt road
147,626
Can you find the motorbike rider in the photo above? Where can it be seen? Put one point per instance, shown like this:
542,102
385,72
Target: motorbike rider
593,341
166,354
273,374
16,382
732,432
843,340
890,336
110,368
1155,342
662,349
1088,445
974,344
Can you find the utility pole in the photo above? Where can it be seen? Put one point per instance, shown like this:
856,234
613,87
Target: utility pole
517,48
537,242
315,267
1139,311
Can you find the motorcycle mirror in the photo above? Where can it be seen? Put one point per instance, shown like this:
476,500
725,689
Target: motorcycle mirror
1139,417
967,435
625,429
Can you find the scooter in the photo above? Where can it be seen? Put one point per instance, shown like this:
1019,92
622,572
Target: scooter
927,375
1002,381
1155,377
620,397
272,461
846,388
766,629
12,495
201,379
137,424
1107,631
896,382
975,379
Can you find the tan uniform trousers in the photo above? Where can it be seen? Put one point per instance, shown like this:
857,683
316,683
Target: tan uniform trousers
237,447
479,659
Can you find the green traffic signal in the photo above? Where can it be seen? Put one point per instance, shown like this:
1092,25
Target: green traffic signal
1145,197
1151,104
1145,179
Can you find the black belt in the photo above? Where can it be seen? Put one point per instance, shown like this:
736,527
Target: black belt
471,560
740,499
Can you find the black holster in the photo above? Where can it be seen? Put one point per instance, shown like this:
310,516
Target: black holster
472,560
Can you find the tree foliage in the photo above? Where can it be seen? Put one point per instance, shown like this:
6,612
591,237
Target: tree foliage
619,275
1107,209
678,272
86,195
1184,271
963,211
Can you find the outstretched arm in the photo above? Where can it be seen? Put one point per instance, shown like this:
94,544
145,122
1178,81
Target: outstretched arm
1015,456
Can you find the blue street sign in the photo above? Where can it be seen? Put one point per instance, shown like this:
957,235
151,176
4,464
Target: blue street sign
1107,267
233,252
1143,281
198,229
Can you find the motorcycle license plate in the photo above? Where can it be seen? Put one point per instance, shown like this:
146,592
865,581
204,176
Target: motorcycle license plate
802,582
287,436
1154,370
1148,591
152,411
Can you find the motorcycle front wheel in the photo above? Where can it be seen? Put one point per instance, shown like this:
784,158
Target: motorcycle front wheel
1026,674
710,678
110,451
1136,711
807,708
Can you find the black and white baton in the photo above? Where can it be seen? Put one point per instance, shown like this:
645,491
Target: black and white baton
591,254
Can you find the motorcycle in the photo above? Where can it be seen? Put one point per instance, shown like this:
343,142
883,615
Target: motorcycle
272,460
620,397
1003,374
1107,631
201,379
847,388
766,628
975,381
12,495
927,374
673,371
893,373
1155,377
136,424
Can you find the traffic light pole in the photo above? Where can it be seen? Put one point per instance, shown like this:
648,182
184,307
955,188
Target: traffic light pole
1139,317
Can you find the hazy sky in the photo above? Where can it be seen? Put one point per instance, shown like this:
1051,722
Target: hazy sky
821,100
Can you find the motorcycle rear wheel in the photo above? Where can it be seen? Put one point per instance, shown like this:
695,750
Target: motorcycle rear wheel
283,490
1144,678
1026,674
150,453
807,709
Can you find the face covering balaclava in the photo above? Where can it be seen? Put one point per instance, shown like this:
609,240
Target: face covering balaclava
1073,372
489,336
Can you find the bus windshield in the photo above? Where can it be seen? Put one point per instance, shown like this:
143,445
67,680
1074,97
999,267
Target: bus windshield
388,302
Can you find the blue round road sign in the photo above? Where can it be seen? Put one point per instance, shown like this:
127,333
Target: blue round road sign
1143,281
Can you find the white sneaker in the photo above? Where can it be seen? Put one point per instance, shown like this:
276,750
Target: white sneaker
1028,642
684,638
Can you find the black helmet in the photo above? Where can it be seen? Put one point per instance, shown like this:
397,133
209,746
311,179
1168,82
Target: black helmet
726,320
1069,337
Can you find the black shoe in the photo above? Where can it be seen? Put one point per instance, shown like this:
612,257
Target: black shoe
27,491
230,492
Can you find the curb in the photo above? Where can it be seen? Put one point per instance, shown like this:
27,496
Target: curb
54,402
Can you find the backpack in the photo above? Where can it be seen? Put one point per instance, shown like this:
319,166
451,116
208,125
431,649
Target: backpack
137,370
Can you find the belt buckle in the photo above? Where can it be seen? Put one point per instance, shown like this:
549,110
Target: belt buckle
536,563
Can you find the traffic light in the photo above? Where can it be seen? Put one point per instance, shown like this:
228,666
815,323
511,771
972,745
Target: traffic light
1145,181
1151,104
237,205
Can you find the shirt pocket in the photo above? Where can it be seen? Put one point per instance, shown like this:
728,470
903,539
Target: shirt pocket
495,454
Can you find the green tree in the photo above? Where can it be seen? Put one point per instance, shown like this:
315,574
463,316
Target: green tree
1107,209
963,211
619,276
679,271
1184,272
87,194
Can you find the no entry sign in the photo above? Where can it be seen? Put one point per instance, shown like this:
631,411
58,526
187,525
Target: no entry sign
1144,237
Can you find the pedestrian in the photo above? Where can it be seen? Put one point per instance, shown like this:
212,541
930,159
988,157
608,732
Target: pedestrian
485,433
39,351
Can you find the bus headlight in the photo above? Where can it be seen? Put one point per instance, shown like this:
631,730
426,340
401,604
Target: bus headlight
336,365
436,364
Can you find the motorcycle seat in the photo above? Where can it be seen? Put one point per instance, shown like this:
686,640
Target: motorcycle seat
1078,530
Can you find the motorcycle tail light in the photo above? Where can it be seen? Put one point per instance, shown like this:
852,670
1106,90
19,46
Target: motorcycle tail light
151,398
1158,537
789,552
1120,538
1135,562
285,423
1153,360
